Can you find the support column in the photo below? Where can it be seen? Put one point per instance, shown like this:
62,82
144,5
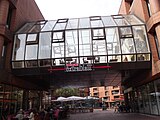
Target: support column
4,7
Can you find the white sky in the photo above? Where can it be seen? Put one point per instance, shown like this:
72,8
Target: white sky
57,9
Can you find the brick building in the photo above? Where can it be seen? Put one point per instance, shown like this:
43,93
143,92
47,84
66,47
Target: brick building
13,15
42,44
110,95
142,90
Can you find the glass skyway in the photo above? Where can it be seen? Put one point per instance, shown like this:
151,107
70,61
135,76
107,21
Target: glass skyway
81,41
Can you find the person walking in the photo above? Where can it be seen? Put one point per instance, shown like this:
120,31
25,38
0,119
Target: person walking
20,115
115,109
31,115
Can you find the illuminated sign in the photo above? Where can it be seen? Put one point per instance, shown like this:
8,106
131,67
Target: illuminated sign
76,67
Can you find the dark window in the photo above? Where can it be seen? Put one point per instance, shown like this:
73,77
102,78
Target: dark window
95,89
157,44
149,8
116,97
8,24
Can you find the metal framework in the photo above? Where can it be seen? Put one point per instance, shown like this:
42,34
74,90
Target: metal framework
80,42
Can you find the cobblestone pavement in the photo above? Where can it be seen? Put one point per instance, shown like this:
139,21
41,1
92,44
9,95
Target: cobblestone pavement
110,115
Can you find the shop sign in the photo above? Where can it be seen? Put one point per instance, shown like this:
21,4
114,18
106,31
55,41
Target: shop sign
77,68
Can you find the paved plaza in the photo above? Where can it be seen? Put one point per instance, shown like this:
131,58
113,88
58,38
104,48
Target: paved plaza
110,115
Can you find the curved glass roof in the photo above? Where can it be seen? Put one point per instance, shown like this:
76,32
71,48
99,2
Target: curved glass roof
80,23
91,40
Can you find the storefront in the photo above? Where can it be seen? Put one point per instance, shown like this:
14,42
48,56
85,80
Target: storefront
145,99
13,98
10,99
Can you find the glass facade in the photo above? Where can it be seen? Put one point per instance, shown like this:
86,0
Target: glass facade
146,98
92,40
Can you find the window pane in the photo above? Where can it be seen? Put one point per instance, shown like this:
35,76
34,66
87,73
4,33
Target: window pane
18,64
114,58
127,46
57,50
133,20
121,22
32,63
44,45
44,62
49,26
32,37
98,34
157,93
72,24
140,38
60,26
71,44
31,52
152,99
85,47
113,44
101,59
143,57
84,23
125,32
58,36
108,21
36,28
19,47
96,23
128,58
99,47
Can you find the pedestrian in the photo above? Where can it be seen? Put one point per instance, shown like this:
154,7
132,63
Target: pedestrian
31,115
115,109
20,115
42,114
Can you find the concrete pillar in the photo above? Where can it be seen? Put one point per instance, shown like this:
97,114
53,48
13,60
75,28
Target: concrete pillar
4,7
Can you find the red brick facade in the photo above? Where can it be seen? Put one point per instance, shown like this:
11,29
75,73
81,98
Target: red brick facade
26,11
15,13
140,9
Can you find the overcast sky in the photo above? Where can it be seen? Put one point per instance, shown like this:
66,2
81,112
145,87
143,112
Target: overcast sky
57,9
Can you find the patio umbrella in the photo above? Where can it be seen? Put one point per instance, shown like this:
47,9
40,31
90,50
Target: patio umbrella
155,93
90,98
75,98
61,99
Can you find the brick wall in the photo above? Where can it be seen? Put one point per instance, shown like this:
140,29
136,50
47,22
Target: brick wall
139,8
23,11
26,11
124,8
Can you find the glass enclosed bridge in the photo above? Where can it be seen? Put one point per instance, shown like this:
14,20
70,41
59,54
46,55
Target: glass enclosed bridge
96,48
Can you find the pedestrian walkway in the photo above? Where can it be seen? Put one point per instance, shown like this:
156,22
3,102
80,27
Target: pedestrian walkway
110,115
